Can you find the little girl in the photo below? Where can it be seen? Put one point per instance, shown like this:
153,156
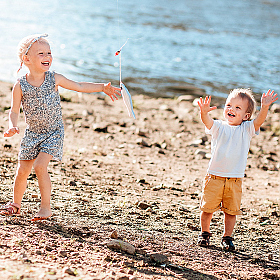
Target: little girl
37,91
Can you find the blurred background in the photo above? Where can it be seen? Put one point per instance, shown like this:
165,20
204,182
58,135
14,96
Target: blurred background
212,45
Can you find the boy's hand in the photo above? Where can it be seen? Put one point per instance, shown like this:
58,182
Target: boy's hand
11,132
204,106
268,98
112,91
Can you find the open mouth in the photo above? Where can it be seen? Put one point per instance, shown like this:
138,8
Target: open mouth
46,63
231,115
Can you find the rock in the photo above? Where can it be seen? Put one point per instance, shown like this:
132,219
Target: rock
185,98
200,153
143,205
114,235
69,271
141,133
124,277
159,258
142,142
270,257
195,102
72,183
101,129
63,253
275,108
48,248
121,245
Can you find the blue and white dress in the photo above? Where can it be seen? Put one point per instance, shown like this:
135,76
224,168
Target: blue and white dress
43,115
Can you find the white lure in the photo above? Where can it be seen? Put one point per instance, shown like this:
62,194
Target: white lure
124,91
127,100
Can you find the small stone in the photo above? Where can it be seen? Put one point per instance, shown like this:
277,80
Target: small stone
48,248
69,271
188,98
275,108
124,277
121,245
63,253
114,234
142,142
159,258
143,205
200,153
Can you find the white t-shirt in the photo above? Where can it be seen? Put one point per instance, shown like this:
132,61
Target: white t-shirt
229,148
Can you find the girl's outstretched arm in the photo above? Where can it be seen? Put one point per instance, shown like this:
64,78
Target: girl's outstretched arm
14,111
204,106
87,87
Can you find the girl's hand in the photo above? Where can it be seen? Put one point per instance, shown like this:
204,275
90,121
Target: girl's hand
11,132
112,91
268,98
204,105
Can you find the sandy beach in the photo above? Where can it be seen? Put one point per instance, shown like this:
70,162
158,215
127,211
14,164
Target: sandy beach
125,197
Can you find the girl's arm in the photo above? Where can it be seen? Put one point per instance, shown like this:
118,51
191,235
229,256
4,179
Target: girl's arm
267,99
87,87
14,111
205,108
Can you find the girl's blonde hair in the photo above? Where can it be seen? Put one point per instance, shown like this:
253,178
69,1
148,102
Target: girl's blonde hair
26,43
245,93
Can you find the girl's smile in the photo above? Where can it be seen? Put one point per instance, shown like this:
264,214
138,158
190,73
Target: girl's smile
39,56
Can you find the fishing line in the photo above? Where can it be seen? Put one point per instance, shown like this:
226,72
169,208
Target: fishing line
124,91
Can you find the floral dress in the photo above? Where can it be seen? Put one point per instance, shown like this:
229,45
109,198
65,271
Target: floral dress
43,115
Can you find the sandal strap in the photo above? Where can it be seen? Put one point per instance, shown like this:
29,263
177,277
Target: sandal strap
9,207
206,234
228,238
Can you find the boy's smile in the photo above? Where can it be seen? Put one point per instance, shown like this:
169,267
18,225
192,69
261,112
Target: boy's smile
235,111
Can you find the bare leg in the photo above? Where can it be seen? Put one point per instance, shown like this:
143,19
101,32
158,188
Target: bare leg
229,222
23,171
205,220
41,170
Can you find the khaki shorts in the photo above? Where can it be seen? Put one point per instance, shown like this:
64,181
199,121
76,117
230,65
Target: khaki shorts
221,193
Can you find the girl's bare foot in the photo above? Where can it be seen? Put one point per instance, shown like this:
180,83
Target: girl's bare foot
43,214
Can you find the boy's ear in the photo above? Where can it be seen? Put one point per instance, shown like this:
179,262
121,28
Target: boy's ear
247,117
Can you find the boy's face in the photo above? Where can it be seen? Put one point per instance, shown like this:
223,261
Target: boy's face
235,111
39,56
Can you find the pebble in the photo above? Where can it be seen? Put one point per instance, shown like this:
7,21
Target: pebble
143,205
114,235
69,271
159,258
121,245
63,253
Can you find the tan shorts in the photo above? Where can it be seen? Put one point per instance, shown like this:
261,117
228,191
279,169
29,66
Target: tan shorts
221,193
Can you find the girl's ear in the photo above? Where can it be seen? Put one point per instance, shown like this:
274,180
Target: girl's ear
25,58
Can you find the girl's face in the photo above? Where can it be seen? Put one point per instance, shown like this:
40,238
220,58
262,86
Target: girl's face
39,57
235,111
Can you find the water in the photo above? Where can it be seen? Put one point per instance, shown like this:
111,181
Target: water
215,45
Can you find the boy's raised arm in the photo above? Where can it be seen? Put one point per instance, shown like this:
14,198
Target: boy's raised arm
266,100
204,106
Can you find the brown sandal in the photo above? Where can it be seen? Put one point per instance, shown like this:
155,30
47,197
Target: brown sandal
10,209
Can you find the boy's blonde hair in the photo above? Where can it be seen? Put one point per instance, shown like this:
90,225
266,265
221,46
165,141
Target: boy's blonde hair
245,93
26,43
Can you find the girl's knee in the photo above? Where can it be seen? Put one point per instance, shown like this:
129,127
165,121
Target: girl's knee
39,167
